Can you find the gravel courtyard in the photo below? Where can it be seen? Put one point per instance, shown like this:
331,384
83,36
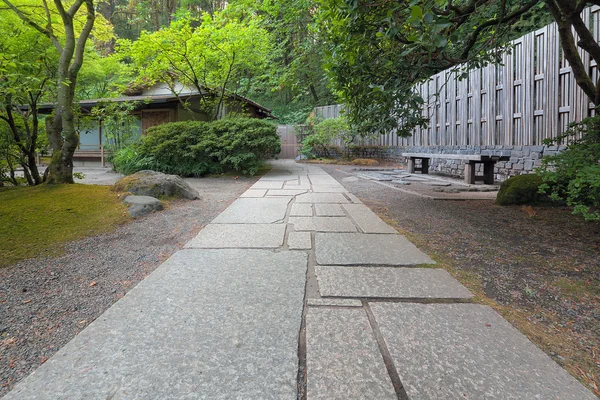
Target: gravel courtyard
45,302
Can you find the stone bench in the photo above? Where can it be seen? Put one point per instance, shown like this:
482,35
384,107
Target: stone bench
470,161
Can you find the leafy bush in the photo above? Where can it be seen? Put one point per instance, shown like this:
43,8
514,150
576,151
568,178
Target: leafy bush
573,176
193,148
324,133
521,189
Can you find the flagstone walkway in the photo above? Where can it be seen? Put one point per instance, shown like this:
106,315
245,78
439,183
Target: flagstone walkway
299,290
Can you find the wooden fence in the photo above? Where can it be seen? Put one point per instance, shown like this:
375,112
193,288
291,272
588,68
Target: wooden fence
531,96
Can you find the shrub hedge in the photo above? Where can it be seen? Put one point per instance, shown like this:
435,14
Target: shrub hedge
193,148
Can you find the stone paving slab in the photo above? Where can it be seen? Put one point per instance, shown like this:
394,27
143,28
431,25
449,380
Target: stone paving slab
389,282
301,210
286,192
335,302
329,210
299,241
322,224
254,211
254,193
329,189
322,198
468,351
267,185
367,249
353,198
206,324
367,220
342,356
222,236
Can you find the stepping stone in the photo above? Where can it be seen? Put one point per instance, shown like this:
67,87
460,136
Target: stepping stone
468,351
254,211
335,302
285,192
329,210
212,324
322,198
267,185
299,241
322,224
342,357
367,249
386,282
301,210
254,193
367,220
401,182
222,236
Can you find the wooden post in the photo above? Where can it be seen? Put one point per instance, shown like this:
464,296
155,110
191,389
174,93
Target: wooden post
488,172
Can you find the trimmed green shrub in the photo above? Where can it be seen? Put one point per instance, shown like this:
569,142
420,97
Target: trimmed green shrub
193,148
521,189
319,142
573,175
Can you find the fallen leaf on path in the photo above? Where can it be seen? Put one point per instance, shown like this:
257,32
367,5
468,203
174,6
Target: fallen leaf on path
93,283
529,211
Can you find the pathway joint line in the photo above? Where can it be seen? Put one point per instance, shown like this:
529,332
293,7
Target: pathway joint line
385,353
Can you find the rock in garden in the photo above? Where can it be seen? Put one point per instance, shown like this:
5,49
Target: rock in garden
156,184
142,205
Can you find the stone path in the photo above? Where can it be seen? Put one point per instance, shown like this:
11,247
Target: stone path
298,290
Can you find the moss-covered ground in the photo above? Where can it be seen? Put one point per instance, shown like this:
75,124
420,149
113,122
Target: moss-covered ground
39,221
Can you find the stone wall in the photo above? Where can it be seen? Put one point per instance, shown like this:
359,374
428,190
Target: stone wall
523,159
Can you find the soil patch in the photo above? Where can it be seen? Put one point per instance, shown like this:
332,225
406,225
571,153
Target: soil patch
538,266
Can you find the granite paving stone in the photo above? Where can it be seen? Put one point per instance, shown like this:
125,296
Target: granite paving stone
267,185
389,282
342,357
206,324
329,189
468,351
301,210
365,249
220,236
254,193
254,211
286,192
335,302
367,220
322,198
299,241
322,224
329,210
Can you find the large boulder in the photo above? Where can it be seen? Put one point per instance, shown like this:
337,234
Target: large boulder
142,205
156,184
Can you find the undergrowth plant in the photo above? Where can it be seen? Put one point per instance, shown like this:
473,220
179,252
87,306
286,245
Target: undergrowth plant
573,175
195,148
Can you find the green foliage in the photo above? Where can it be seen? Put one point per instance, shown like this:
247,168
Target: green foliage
376,54
119,126
213,55
193,148
324,132
520,189
573,176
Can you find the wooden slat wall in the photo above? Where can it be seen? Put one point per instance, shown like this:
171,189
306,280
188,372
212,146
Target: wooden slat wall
530,97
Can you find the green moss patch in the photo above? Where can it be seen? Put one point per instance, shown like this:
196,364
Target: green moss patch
521,189
40,220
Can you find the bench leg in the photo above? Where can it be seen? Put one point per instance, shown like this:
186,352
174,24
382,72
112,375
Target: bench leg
424,165
411,165
470,172
488,172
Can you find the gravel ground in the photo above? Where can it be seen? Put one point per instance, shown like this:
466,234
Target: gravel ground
540,267
44,303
